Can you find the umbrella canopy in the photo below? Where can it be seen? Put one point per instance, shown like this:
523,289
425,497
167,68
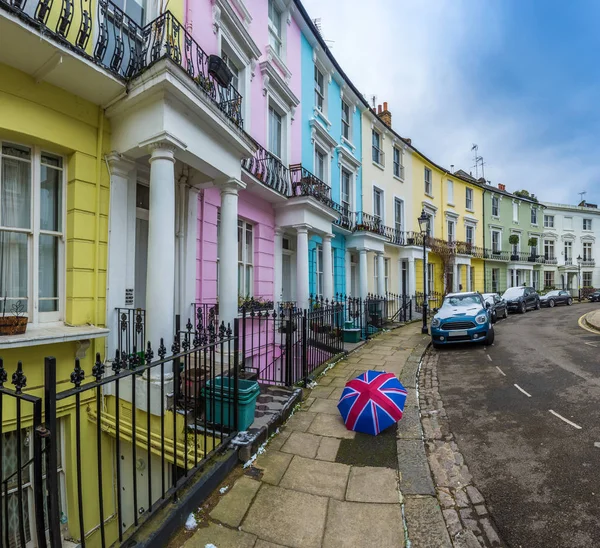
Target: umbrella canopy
372,402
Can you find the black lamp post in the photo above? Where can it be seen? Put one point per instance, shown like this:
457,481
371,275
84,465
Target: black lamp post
423,226
579,277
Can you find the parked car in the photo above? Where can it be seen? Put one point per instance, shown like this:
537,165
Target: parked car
594,297
463,317
498,306
521,299
558,296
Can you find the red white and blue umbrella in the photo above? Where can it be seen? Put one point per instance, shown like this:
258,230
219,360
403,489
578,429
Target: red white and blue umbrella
372,402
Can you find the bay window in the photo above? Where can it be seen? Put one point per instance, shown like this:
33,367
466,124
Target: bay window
31,232
245,259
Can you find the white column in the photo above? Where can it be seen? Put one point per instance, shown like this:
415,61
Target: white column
327,268
278,271
348,267
118,243
380,275
160,276
302,295
531,278
412,277
362,273
228,253
469,281
455,279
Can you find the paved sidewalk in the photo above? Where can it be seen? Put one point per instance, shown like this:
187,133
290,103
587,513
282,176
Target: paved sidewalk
317,484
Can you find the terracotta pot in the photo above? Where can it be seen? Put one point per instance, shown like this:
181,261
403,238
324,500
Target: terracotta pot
13,325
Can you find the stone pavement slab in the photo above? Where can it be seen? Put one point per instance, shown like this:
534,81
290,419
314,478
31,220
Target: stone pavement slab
300,421
220,536
317,477
425,522
328,449
321,391
356,524
232,508
330,425
413,467
370,484
321,405
287,517
409,426
303,444
273,464
265,544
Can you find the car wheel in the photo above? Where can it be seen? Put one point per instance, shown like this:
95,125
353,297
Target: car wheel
494,317
489,340
436,345
505,313
523,308
538,305
551,303
570,301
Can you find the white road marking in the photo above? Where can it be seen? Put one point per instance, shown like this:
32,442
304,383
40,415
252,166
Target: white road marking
501,372
597,444
519,388
489,357
566,420
592,344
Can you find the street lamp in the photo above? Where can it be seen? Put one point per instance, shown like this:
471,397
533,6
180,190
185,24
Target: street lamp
423,226
579,277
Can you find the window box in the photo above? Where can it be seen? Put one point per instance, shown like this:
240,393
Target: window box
13,325
219,71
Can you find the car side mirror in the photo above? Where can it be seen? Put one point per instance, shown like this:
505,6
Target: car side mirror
488,305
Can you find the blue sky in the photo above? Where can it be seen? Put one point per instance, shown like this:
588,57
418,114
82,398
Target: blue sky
519,78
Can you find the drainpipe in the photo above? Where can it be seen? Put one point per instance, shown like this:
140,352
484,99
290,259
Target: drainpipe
99,143
180,235
484,231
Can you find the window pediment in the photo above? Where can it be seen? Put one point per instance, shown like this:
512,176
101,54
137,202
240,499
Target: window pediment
318,132
344,155
274,83
235,27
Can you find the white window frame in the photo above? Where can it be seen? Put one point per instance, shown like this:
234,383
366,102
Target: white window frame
549,277
495,280
428,181
319,270
451,230
469,198
34,232
320,94
587,246
515,212
324,175
585,274
499,233
450,191
472,228
534,217
276,110
430,278
246,263
278,35
399,206
346,203
548,221
387,265
568,250
381,202
549,249
347,125
496,201
589,222
377,154
399,164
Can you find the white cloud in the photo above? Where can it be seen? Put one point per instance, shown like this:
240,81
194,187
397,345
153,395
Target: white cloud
421,57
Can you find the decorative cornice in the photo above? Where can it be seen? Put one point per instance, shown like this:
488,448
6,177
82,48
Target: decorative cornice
272,80
227,19
344,155
318,132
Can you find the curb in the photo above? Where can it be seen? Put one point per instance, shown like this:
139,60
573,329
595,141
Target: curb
584,323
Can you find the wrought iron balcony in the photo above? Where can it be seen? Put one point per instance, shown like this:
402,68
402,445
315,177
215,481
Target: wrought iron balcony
550,259
304,183
269,170
495,254
113,40
588,262
366,222
347,218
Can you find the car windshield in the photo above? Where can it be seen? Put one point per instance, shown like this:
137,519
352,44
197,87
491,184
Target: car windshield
489,296
513,292
461,300
552,293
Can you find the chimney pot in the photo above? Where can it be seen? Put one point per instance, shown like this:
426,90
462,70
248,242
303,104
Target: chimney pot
501,186
378,109
385,105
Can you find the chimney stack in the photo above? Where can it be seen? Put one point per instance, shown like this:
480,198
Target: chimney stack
378,110
385,116
501,186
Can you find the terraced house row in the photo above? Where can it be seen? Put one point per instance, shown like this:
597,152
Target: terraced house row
205,159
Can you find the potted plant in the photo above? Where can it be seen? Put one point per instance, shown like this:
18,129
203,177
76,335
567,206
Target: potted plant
15,323
532,243
513,240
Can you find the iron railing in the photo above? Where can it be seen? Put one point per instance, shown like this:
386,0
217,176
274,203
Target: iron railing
346,217
365,222
269,170
113,40
588,262
304,183
131,331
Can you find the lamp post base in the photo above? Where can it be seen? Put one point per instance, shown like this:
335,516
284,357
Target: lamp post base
424,329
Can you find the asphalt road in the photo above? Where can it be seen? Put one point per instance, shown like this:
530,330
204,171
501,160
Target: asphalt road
539,474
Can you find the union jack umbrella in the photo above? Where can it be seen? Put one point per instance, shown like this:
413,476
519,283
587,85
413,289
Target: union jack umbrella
372,402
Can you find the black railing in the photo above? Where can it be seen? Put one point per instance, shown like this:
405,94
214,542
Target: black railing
496,255
365,222
304,183
122,46
346,218
269,170
131,331
434,300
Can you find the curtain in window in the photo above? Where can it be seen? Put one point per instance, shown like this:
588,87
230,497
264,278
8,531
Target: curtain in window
15,212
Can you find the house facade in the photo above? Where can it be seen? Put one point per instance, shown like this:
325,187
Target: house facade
569,238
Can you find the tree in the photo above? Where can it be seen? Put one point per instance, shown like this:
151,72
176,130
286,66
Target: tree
526,194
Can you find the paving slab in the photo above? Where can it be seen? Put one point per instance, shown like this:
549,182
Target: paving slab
303,444
300,421
336,394
324,380
220,536
276,443
409,426
325,406
367,450
371,484
413,467
328,449
356,524
265,544
330,425
321,391
317,477
286,517
273,464
232,508
425,522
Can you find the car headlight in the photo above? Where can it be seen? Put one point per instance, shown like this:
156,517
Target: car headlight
481,319
435,322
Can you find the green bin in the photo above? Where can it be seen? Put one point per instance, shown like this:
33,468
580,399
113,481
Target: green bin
221,392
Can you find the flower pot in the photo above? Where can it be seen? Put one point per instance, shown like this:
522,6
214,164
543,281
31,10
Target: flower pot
13,325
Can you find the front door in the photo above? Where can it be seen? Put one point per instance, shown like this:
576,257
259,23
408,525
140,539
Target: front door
286,279
353,280
141,258
404,277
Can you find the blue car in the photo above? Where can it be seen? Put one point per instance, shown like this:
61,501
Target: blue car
463,317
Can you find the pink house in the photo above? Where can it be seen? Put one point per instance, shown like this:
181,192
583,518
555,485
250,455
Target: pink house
260,43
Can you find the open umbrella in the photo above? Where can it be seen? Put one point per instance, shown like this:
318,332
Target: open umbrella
372,402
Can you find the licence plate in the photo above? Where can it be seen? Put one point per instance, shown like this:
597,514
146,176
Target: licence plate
460,333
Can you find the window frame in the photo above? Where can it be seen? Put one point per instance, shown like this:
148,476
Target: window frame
515,212
428,181
318,154
430,278
399,206
398,168
450,191
549,250
586,274
346,124
548,221
275,31
35,231
380,202
276,113
470,228
495,280
568,246
499,246
587,246
496,202
534,216
584,223
346,203
377,153
469,198
320,94
387,266
548,278
451,223
243,263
